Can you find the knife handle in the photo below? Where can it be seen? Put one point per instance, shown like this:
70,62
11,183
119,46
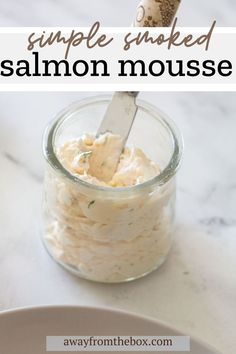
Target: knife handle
156,13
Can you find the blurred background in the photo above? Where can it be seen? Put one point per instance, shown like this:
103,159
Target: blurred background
195,289
108,12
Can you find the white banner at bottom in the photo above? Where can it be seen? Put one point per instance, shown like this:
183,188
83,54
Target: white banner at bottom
117,343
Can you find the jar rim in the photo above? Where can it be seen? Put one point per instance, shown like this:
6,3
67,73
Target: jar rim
162,178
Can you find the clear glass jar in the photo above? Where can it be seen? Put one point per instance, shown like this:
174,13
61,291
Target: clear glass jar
110,234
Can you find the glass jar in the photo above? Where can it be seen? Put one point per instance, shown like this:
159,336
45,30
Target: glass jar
110,234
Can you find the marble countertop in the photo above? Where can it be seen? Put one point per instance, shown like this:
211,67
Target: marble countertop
195,290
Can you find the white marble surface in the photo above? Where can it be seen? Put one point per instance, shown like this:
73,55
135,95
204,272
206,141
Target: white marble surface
195,290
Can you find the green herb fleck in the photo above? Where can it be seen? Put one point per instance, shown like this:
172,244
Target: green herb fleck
85,153
91,203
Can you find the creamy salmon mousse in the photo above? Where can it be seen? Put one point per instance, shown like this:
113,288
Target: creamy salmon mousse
102,228
84,158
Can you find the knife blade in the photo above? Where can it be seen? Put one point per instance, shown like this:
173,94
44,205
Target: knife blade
118,120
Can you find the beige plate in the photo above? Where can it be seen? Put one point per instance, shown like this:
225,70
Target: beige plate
24,331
